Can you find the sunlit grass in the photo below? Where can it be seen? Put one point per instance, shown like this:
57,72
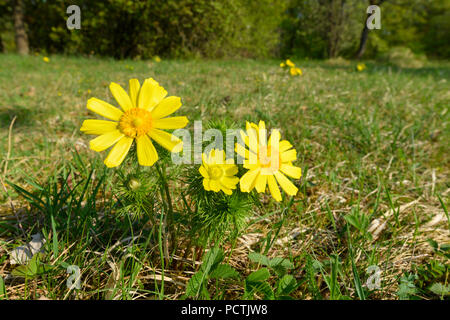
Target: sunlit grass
371,144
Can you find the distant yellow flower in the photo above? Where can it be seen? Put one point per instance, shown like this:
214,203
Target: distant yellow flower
289,63
282,65
157,59
218,173
144,113
360,66
295,71
46,59
268,160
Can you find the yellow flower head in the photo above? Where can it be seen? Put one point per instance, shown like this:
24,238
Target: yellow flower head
218,173
143,115
282,65
360,66
267,161
289,63
157,59
46,59
295,71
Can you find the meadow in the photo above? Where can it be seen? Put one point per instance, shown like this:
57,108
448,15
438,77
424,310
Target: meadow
372,145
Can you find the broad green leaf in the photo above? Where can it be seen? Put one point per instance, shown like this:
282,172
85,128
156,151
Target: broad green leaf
286,285
259,258
195,284
224,271
258,276
439,289
2,289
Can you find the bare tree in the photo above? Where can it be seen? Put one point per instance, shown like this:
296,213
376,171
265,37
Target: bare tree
19,28
336,19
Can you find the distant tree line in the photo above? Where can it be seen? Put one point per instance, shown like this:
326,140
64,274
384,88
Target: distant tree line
219,28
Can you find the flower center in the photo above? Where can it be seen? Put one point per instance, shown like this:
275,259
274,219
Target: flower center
266,160
215,173
135,122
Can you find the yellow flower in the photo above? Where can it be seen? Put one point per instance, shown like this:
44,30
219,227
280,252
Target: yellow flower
46,59
268,163
289,63
282,65
157,59
295,71
218,173
143,115
360,66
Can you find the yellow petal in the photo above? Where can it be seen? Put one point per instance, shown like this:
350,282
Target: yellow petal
248,180
214,185
231,171
292,171
150,94
229,183
146,151
286,184
121,96
166,107
274,139
170,123
261,181
253,140
134,91
262,133
106,140
203,172
227,191
167,140
240,150
290,63
104,109
284,145
98,127
206,183
288,156
273,188
118,152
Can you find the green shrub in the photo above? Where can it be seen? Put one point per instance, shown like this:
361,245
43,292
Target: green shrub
403,57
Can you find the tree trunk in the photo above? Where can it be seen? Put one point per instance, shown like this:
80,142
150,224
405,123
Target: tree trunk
362,42
336,20
19,28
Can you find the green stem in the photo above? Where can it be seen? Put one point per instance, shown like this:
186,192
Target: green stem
161,253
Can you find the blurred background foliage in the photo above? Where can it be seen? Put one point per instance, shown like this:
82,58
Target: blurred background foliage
232,28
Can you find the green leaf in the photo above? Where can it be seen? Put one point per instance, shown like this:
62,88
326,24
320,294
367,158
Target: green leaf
212,258
224,271
195,284
439,289
259,275
2,289
259,258
280,265
32,269
286,285
262,287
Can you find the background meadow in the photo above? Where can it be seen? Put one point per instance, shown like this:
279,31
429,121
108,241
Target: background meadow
372,145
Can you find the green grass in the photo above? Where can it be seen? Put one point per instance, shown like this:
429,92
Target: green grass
373,146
